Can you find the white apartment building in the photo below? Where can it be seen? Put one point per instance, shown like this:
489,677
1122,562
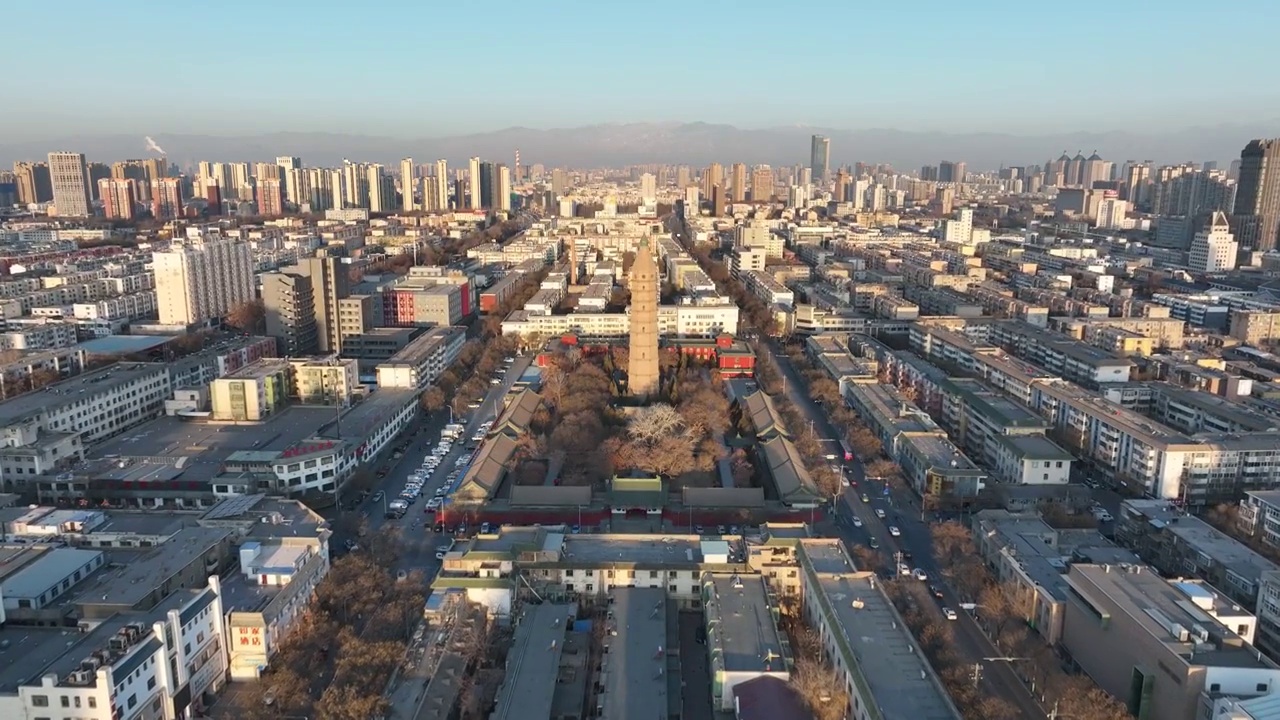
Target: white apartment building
1214,248
70,178
686,320
163,664
422,360
960,230
1113,214
263,601
49,335
743,259
125,307
765,287
759,235
201,279
866,640
40,432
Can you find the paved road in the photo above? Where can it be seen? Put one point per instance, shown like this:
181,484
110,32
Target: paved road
902,510
418,542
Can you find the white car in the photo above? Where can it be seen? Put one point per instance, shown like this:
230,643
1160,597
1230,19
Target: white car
440,554
949,614
880,513
857,522
903,569
920,574
894,531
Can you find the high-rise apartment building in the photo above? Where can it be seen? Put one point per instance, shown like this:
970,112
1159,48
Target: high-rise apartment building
476,184
951,172
97,171
382,190
761,183
34,183
166,198
330,285
503,198
70,179
297,187
270,197
840,192
221,174
1257,206
408,184
712,177
288,162
1137,176
559,182
960,230
819,157
119,199
212,194
156,167
139,172
243,187
1112,212
648,189
441,180
717,201
202,278
944,199
355,185
290,313
435,189
739,183
691,201
1214,248
683,177
266,171
1095,170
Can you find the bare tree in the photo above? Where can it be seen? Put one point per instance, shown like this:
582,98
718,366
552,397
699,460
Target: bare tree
821,689
655,423
248,317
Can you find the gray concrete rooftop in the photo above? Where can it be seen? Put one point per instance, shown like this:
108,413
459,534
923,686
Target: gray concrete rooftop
533,663
633,683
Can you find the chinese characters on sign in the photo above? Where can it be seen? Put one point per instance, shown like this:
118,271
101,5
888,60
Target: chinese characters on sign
249,637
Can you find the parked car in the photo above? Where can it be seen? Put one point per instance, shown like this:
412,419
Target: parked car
935,591
920,574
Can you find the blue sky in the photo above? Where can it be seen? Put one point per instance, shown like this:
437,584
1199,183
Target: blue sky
430,68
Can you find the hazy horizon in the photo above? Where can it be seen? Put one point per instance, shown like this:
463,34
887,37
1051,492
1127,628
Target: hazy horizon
695,143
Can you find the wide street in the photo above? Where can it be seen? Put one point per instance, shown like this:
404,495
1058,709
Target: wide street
902,510
418,543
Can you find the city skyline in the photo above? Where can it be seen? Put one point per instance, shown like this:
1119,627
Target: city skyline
978,48
648,143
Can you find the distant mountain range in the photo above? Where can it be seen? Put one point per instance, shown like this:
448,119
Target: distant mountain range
694,144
